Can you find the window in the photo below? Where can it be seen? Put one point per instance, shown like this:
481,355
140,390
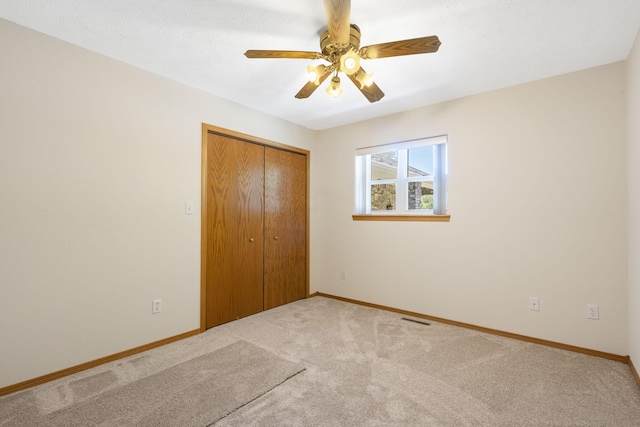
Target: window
405,178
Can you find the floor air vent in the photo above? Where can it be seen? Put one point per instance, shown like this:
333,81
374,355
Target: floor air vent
416,321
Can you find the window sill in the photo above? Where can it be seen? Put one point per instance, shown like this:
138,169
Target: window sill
424,218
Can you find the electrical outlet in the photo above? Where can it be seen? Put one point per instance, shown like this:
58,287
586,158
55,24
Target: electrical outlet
534,304
593,312
343,274
156,306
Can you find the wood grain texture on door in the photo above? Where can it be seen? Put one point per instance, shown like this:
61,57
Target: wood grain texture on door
234,203
285,229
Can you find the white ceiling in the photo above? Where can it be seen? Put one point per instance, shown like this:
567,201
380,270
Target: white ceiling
486,45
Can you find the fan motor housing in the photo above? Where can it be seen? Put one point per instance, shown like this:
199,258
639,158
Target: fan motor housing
327,47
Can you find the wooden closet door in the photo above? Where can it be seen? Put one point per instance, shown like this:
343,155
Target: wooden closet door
285,216
235,199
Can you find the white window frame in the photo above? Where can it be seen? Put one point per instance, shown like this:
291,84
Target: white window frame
363,177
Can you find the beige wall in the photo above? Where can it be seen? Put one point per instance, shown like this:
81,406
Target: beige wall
633,130
97,159
537,197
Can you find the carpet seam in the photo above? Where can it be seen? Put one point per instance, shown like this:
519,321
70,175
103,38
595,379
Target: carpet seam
256,398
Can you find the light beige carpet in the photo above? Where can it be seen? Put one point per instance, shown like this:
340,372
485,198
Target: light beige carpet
367,367
198,392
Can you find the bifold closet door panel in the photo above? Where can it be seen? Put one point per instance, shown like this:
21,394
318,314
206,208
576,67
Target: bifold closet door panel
235,201
285,227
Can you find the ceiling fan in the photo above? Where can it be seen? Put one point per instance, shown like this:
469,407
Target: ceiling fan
340,46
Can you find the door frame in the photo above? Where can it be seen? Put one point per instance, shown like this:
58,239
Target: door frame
206,130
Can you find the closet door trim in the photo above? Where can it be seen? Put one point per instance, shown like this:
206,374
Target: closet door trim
209,129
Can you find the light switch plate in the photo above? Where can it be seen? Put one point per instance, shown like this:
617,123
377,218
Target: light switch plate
188,208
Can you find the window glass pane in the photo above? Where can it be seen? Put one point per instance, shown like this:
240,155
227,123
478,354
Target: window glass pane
384,165
420,161
383,197
420,195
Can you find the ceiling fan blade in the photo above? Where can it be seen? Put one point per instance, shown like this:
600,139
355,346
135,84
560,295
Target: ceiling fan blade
282,54
372,92
338,20
310,87
402,47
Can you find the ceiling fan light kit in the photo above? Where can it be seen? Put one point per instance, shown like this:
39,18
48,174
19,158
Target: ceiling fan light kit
334,90
349,62
340,46
315,73
363,79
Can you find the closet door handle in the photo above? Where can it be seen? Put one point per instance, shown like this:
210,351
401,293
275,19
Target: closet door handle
275,238
252,240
